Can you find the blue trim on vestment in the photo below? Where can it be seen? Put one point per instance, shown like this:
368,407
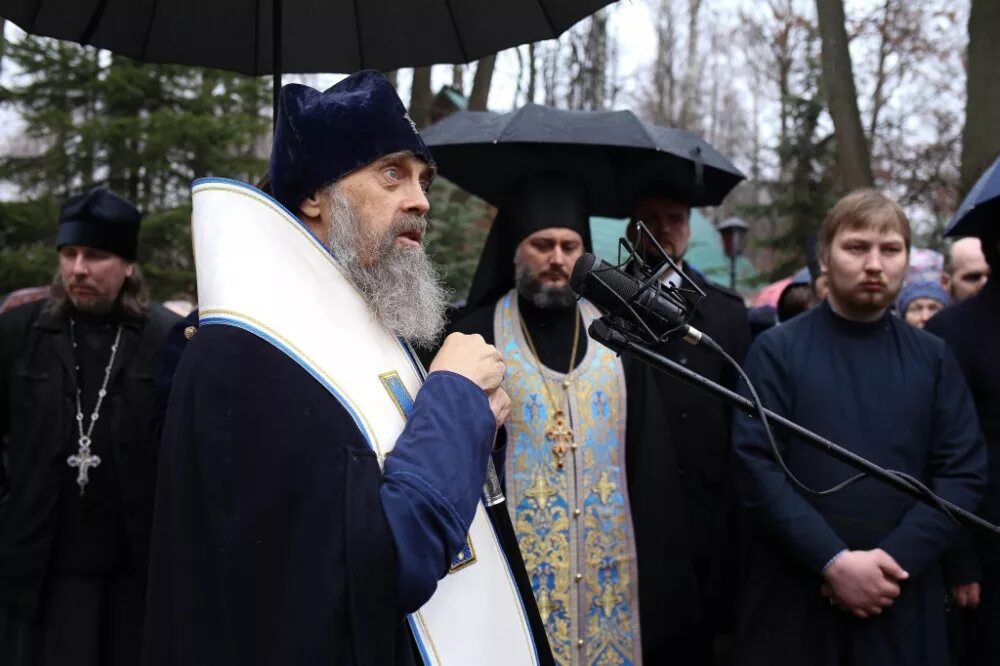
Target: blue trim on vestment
226,321
418,367
416,639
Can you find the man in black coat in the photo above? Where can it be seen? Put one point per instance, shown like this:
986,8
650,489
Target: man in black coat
971,329
698,428
77,471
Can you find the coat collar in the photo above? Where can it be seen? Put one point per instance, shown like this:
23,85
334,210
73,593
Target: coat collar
58,327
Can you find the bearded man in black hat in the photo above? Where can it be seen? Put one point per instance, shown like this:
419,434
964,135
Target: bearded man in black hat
77,471
320,500
588,468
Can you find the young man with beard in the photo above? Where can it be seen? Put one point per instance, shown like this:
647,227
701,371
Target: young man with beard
853,577
318,503
77,468
587,468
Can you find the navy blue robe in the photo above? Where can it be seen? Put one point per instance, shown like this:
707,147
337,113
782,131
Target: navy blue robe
895,395
276,538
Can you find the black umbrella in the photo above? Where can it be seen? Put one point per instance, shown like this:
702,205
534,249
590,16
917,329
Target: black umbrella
981,207
319,35
614,153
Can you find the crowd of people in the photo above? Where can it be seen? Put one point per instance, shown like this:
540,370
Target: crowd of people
276,480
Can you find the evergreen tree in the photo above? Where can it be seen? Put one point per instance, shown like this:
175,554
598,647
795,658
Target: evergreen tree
459,224
145,131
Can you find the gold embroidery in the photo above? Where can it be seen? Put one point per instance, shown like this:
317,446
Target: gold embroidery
573,519
540,491
604,488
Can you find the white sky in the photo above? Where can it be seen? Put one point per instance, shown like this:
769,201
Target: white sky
631,27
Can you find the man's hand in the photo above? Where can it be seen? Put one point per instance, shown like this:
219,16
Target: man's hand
967,595
471,357
500,404
863,581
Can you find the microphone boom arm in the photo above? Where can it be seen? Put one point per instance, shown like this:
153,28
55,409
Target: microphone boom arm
613,336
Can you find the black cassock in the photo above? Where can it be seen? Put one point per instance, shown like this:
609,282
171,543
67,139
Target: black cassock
277,539
890,393
72,566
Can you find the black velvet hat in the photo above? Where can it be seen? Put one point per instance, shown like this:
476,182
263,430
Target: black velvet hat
100,219
321,136
539,202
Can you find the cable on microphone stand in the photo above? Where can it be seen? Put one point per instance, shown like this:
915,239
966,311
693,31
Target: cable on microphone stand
685,300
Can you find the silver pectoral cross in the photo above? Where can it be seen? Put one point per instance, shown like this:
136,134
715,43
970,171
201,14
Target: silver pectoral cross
84,460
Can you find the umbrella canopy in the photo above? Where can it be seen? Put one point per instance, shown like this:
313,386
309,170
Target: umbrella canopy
614,153
981,207
319,36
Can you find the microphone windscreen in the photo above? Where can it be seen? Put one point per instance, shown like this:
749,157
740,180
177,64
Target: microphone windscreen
604,285
582,267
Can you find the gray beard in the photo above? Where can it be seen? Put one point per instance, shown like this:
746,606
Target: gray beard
401,287
538,294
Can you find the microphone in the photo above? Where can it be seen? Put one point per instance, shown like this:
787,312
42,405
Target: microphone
609,288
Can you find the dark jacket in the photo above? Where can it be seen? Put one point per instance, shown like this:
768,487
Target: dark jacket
971,328
37,409
699,427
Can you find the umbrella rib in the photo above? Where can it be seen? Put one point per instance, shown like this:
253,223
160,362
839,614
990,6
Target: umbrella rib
458,34
95,18
256,34
149,27
510,121
645,130
548,19
357,31
34,15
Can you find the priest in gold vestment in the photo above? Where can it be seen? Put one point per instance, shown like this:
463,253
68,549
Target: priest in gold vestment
568,476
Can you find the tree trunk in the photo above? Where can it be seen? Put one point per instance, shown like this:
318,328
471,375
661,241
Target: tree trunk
393,76
481,83
690,89
980,139
884,48
550,74
594,64
458,78
853,162
421,96
532,73
3,41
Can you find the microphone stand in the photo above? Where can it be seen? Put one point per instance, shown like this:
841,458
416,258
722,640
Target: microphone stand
623,343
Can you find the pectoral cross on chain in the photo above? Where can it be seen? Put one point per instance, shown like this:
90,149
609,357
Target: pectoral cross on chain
561,436
84,460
